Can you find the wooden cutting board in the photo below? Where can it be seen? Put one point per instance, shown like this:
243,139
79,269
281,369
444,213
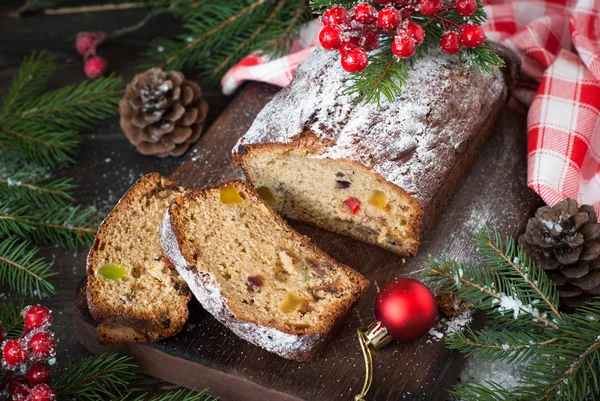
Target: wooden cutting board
206,354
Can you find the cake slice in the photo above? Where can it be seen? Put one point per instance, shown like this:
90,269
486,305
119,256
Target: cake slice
133,290
379,173
267,283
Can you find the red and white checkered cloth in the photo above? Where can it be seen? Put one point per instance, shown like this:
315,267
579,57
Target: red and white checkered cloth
559,44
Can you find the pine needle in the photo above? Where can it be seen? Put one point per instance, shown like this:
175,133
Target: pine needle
177,395
10,317
21,270
102,377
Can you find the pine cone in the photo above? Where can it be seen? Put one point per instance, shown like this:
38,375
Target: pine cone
564,240
162,113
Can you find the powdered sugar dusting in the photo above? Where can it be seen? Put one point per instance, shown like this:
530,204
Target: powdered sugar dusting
409,141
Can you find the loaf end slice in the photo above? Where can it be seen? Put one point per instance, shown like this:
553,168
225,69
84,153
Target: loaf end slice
267,283
139,297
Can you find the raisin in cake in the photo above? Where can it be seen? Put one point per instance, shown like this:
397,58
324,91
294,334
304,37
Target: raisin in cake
267,283
133,290
378,174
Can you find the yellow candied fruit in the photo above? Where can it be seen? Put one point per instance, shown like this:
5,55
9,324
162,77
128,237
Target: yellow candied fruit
230,195
378,199
112,271
299,325
291,302
267,195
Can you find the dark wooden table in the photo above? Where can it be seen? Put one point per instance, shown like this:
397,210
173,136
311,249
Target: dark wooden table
107,164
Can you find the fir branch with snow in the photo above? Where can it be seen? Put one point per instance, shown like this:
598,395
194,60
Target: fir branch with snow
524,324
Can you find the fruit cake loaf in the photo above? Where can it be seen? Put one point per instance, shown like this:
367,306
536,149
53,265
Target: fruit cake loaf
133,290
267,283
378,174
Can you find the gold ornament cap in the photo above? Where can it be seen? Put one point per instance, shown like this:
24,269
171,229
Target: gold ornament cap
377,335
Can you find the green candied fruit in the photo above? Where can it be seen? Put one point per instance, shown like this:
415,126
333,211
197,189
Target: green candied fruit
112,271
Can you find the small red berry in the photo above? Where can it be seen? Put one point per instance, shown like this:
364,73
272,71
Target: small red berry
18,391
36,317
365,13
430,6
42,346
466,8
472,35
369,41
382,1
42,392
336,16
355,60
404,46
416,31
87,42
353,205
450,42
14,354
331,37
38,373
352,43
95,67
389,18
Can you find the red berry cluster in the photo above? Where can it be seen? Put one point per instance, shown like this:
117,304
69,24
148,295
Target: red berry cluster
25,358
353,33
86,44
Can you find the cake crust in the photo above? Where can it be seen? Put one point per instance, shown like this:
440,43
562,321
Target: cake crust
274,337
422,144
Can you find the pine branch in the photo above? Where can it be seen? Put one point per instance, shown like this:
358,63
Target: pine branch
102,377
44,128
177,395
68,226
23,182
10,317
33,74
490,391
219,34
21,270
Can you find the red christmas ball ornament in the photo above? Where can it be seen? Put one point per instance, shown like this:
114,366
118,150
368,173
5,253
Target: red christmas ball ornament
472,35
389,18
42,346
331,37
36,317
416,31
405,310
430,7
450,42
466,8
355,60
14,354
38,373
95,67
42,392
336,16
404,46
365,13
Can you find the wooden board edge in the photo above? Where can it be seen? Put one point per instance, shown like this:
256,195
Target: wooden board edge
169,368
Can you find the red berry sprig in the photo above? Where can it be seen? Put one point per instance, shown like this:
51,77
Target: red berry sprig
355,32
26,358
86,44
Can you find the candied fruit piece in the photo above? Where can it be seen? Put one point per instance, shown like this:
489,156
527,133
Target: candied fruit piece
291,302
378,199
112,271
230,195
267,195
299,325
255,282
342,184
353,205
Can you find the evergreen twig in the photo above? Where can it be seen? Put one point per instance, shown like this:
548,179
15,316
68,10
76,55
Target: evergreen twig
176,395
103,377
525,324
21,270
10,316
